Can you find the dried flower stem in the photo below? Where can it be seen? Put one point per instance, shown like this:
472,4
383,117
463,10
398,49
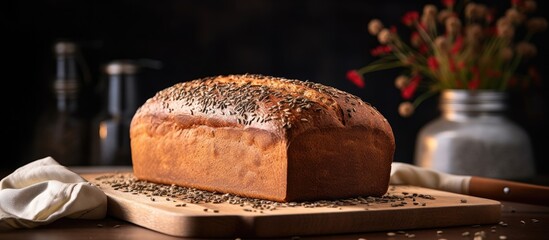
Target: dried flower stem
472,53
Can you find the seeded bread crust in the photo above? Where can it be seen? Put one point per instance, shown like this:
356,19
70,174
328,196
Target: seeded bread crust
263,137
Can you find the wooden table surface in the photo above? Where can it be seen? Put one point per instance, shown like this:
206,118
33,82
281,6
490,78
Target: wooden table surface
518,221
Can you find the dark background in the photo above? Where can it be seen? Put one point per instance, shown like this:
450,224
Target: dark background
308,40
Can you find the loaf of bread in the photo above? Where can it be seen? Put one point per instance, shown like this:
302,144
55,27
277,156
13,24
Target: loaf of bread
263,137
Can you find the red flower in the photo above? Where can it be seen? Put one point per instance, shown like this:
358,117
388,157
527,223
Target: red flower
448,3
457,45
432,63
410,18
423,48
410,89
381,50
473,84
355,78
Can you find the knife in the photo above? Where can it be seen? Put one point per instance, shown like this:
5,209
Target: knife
491,188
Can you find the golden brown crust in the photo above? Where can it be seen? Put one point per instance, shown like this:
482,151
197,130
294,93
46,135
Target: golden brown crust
263,137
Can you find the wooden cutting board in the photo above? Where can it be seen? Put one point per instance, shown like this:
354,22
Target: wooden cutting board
405,208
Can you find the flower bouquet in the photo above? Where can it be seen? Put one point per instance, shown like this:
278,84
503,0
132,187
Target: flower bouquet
463,45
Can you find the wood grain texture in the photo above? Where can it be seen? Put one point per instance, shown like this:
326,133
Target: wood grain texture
162,215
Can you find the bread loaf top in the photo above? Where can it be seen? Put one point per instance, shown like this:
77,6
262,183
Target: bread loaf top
285,107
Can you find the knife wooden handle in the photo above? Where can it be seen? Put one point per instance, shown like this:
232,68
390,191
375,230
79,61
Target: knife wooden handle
503,190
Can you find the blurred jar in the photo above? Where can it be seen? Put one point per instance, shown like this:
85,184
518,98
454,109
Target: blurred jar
62,130
110,131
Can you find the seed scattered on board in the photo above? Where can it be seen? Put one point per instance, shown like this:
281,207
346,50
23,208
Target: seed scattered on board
128,184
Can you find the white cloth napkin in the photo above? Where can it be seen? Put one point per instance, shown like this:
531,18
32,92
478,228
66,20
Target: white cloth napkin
408,174
43,191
